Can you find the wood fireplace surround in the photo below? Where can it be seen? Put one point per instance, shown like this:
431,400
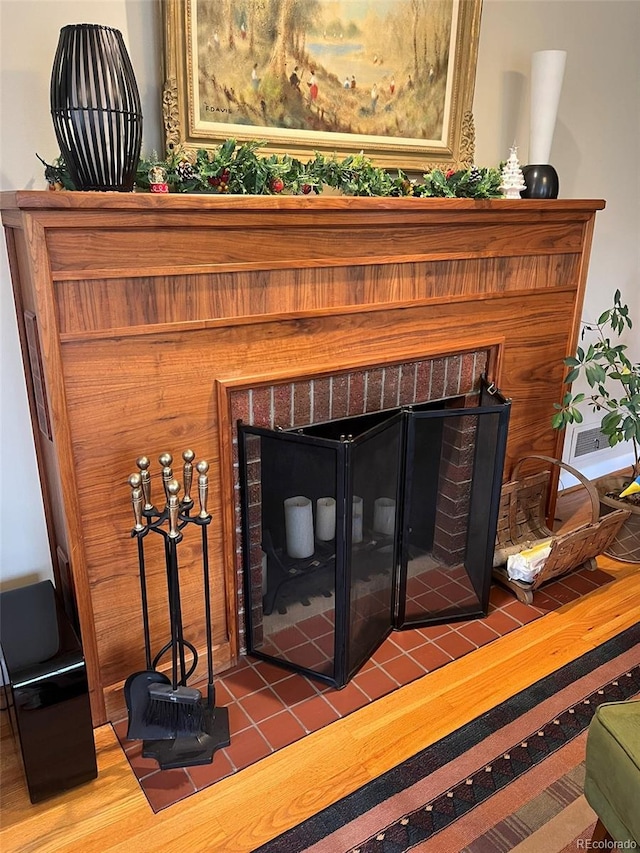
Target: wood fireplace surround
141,317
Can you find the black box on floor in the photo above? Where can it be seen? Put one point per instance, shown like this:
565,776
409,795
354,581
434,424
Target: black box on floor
46,690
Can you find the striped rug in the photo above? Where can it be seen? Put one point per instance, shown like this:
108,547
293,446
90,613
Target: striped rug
510,780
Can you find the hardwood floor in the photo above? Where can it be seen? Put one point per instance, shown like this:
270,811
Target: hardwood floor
111,814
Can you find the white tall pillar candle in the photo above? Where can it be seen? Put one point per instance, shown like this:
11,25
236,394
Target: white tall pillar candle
384,516
326,519
547,73
298,523
357,519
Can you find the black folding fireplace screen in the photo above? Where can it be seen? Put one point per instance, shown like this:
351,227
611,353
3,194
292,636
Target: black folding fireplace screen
355,527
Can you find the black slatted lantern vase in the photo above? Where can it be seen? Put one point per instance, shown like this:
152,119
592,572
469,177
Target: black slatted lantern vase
95,106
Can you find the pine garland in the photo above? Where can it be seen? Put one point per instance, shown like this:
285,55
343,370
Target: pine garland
240,170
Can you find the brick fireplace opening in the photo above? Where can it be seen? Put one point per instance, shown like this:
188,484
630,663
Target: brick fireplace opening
399,590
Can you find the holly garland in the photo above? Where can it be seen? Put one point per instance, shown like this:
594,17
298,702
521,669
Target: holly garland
240,170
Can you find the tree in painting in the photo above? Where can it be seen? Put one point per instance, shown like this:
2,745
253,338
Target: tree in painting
338,66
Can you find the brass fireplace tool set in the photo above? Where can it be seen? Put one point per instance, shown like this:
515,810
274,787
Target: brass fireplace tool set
179,726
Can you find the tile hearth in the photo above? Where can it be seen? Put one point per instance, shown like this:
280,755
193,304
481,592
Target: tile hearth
270,708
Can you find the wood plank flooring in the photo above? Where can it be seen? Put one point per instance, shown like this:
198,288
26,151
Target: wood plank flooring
111,814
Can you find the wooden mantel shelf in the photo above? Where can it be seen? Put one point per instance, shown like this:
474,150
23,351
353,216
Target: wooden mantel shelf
46,200
135,309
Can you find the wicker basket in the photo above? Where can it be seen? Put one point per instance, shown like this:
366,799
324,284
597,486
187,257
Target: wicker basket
522,524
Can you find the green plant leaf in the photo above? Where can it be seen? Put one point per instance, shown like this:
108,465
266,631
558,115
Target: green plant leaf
590,374
610,421
571,376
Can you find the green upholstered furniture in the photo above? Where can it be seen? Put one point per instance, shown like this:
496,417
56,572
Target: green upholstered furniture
612,782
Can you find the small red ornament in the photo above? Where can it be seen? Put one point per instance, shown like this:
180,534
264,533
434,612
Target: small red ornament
277,185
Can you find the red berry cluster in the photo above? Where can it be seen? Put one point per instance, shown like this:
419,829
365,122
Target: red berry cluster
221,181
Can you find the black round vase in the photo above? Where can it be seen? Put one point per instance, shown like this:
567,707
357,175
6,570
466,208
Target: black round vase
541,181
95,106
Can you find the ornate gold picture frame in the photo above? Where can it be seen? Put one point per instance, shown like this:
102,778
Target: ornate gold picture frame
391,78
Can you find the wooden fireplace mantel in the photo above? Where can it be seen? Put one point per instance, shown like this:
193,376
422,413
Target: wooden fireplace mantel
137,312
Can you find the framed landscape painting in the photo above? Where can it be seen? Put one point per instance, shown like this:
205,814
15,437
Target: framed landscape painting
391,78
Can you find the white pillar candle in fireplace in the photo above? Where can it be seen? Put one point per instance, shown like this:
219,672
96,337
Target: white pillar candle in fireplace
356,519
298,523
384,516
326,519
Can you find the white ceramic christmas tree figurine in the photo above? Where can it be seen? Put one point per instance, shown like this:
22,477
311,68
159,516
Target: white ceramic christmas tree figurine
512,182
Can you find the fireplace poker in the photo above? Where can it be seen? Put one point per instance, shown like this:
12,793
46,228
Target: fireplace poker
137,500
205,518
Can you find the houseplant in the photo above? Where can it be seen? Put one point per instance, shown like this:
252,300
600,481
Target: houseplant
615,393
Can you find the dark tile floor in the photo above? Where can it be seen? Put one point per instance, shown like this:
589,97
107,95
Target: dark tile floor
270,707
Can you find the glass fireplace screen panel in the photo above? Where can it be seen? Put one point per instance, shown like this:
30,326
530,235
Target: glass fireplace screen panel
371,447
374,486
456,469
289,493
